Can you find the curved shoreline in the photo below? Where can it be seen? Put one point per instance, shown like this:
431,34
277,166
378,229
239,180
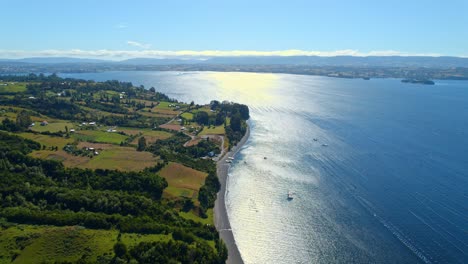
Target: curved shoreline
221,218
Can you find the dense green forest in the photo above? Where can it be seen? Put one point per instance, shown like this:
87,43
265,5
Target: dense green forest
41,188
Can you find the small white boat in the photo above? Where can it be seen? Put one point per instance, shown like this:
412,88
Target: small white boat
325,145
231,158
228,161
290,195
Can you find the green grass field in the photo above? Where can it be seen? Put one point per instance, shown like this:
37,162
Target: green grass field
187,116
217,130
12,88
48,141
151,136
9,115
47,244
52,127
203,109
111,157
192,216
100,113
120,158
164,105
105,93
132,239
99,136
183,181
44,244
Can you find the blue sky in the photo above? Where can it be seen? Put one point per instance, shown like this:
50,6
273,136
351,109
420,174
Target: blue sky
114,29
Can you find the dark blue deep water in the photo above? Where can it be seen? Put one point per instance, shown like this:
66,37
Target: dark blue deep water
390,187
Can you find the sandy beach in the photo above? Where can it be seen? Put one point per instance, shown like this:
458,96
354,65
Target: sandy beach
220,214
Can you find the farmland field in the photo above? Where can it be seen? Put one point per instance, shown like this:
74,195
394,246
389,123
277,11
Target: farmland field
121,158
12,88
152,136
48,141
183,181
171,127
40,244
109,157
164,111
203,109
217,130
48,244
187,116
99,136
52,127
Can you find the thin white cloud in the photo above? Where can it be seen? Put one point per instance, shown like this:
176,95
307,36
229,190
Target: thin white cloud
121,26
148,53
138,44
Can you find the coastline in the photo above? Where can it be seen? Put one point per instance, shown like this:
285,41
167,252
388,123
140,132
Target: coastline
220,213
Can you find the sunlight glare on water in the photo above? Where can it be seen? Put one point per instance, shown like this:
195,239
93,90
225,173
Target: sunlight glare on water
388,187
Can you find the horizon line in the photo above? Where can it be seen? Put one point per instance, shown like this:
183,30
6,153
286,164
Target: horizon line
116,55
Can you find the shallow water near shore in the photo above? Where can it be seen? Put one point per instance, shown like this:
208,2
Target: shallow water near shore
390,186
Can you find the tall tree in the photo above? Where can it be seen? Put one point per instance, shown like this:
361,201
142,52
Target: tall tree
236,122
23,120
141,144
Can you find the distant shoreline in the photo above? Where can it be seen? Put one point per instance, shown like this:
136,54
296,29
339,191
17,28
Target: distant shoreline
222,222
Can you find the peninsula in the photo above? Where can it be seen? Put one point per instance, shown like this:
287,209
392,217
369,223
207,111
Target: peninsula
109,172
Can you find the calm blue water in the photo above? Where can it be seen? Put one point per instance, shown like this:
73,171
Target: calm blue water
390,187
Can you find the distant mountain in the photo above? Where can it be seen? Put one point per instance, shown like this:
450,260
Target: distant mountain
55,60
371,61
337,61
152,61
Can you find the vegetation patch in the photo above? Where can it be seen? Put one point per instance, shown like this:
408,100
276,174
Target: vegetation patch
46,140
120,158
99,136
43,244
12,87
193,142
213,130
52,126
209,220
171,127
183,181
133,239
158,114
109,156
150,135
187,116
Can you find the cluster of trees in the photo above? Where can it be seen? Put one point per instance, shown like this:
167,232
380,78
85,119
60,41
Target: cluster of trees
207,193
175,145
75,151
238,114
141,144
223,110
115,108
50,106
32,77
161,252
